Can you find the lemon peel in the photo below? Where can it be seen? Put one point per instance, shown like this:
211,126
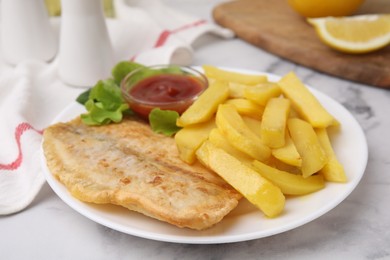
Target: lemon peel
354,34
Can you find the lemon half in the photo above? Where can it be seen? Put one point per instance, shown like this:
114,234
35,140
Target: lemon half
354,34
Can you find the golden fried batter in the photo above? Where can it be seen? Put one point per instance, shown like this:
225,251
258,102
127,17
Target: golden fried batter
127,164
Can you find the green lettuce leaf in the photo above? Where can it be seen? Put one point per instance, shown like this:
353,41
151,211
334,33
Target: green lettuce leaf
108,93
83,97
164,121
105,104
122,69
98,115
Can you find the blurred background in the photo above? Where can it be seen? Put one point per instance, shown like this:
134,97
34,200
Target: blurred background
54,7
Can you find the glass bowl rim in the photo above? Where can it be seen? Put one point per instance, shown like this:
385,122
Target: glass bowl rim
131,99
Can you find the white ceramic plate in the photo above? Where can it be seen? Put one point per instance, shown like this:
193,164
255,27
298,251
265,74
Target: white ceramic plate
245,222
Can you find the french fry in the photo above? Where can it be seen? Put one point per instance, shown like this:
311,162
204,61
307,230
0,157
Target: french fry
204,108
190,138
288,153
258,190
253,124
261,93
290,184
333,170
236,90
246,107
230,76
217,138
304,102
308,146
274,120
280,165
232,126
293,113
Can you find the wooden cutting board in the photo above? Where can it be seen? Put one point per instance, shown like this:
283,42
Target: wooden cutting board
275,27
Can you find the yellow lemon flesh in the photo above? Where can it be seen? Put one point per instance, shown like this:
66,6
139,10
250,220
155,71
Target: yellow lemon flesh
354,34
322,8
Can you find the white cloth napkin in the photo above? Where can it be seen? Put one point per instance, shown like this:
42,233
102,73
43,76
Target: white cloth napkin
32,94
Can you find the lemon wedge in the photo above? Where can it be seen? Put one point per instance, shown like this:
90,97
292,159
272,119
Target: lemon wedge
354,34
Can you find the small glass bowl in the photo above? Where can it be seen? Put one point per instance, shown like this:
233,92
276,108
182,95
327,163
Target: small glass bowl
168,87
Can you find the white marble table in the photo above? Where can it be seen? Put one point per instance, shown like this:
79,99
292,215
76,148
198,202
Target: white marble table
359,228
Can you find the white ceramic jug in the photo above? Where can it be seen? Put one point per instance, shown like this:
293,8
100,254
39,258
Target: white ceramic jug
85,54
26,32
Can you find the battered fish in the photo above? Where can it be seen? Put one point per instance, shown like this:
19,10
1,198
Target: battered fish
127,164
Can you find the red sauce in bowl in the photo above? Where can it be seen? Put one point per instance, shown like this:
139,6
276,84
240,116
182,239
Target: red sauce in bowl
166,88
165,91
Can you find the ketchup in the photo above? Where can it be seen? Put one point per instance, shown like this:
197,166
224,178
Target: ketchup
165,91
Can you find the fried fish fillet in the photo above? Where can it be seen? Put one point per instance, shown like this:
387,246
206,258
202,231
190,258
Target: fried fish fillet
127,164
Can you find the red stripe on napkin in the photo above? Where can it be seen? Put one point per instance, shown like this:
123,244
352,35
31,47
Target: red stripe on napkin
164,35
188,26
20,129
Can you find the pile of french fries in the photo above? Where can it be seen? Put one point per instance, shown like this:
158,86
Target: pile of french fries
266,139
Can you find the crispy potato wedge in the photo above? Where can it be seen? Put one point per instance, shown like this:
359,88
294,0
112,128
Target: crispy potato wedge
257,189
304,102
204,108
233,127
190,138
333,170
290,184
308,146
